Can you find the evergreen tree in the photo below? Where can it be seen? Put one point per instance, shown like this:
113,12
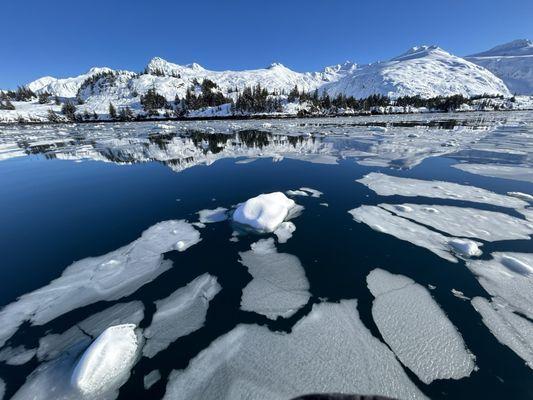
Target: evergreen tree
126,114
6,105
53,117
69,110
44,98
153,101
112,111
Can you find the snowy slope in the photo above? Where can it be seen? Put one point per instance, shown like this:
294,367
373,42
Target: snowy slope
427,71
512,62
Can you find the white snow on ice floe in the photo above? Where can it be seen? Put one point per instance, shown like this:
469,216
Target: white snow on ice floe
108,360
151,378
386,185
330,350
265,212
383,221
103,278
514,172
509,328
296,193
81,334
181,313
416,329
463,221
211,216
507,276
284,231
279,286
465,247
522,196
312,192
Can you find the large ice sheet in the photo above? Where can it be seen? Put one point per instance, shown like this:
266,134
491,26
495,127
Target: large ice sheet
507,276
383,221
462,221
107,277
416,329
509,328
330,350
181,313
387,185
264,212
515,172
17,356
279,286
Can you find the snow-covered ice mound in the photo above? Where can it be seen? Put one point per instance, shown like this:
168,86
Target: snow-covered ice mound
183,312
465,247
509,277
463,221
330,350
383,221
387,185
279,286
284,231
522,196
265,212
103,278
107,361
509,328
417,330
210,216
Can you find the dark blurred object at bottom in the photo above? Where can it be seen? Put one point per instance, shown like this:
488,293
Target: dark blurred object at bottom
338,396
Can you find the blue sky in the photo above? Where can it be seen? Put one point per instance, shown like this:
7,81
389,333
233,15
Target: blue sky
65,38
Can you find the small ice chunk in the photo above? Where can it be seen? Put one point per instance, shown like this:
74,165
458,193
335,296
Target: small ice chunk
329,350
417,330
279,286
284,231
509,328
507,276
522,196
312,192
17,356
459,294
107,361
387,185
383,221
264,212
465,247
151,378
183,312
103,278
463,221
296,193
210,216
324,204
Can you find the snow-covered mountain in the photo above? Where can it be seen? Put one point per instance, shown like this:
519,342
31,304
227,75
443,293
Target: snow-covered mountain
427,71
512,62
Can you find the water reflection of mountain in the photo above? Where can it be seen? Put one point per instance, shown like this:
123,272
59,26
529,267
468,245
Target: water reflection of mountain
388,142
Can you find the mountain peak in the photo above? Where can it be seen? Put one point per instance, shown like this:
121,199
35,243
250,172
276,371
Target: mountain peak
514,48
419,51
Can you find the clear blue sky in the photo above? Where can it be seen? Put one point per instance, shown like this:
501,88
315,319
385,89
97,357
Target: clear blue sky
65,38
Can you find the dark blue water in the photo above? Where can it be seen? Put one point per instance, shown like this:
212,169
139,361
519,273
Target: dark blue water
54,212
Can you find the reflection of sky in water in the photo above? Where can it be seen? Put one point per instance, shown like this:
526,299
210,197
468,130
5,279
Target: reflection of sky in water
56,211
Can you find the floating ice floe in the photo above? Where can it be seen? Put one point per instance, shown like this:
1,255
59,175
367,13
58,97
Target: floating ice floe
265,212
183,312
330,350
324,204
416,329
312,192
509,328
107,361
296,193
462,221
81,334
17,356
151,379
284,231
210,216
459,294
508,276
279,286
387,185
514,172
383,221
521,196
86,373
103,278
